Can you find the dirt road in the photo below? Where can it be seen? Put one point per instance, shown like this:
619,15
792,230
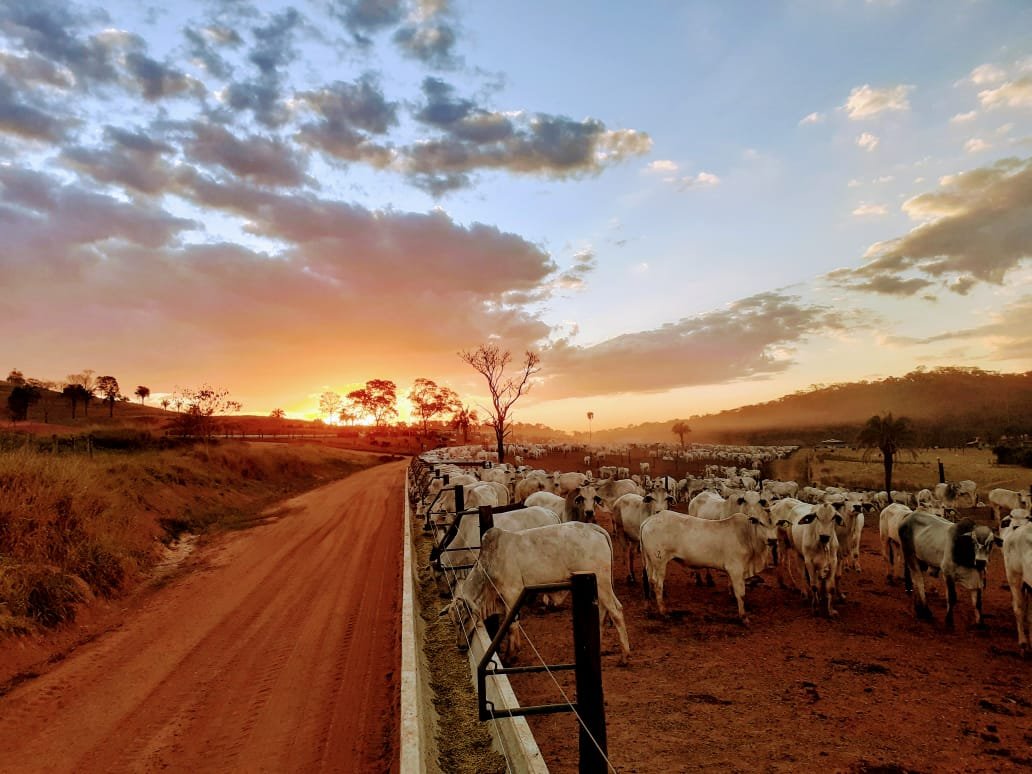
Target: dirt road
278,653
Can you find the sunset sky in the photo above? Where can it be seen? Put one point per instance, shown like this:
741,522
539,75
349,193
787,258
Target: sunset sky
683,206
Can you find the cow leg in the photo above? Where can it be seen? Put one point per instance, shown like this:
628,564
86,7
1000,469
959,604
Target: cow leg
738,587
890,575
709,579
951,600
657,578
607,599
829,595
914,579
630,563
976,603
1019,603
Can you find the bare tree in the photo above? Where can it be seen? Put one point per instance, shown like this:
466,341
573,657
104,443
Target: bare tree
108,387
490,361
329,403
142,393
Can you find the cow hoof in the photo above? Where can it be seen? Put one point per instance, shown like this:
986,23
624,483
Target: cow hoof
890,580
833,614
744,620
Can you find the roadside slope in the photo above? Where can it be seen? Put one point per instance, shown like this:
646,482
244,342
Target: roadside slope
279,653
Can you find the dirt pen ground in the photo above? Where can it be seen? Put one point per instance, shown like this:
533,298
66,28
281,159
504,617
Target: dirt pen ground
873,690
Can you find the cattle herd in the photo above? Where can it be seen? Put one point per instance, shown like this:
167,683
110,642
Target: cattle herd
730,519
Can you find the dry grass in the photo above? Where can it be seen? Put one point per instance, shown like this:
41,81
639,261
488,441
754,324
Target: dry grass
72,527
847,468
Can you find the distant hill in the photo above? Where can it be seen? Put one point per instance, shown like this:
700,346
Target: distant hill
950,407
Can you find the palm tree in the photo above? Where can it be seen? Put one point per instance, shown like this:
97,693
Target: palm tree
591,415
889,436
681,428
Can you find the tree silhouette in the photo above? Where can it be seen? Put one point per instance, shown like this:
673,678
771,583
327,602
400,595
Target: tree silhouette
88,383
429,400
18,401
889,436
165,403
681,428
378,399
142,393
203,407
329,403
591,415
463,419
490,361
108,387
277,413
75,393
46,388
16,378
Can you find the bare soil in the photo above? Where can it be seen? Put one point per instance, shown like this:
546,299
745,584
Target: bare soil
278,651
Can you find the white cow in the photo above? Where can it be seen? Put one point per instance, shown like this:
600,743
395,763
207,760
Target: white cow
738,545
888,529
537,481
630,511
810,532
564,483
1004,501
464,534
548,500
1016,530
610,491
509,561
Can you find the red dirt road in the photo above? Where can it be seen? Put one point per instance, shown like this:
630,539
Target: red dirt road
279,652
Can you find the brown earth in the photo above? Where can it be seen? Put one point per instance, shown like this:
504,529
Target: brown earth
278,651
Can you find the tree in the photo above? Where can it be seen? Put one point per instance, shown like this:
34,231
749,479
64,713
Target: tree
203,408
378,399
591,415
430,400
88,383
347,416
889,436
18,401
75,393
329,403
165,403
142,393
46,388
16,378
489,360
463,419
277,413
108,387
681,428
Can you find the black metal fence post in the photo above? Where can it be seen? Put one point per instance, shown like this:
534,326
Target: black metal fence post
942,471
590,700
486,513
460,500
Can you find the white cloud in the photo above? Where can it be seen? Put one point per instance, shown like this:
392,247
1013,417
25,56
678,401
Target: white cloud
867,141
961,118
662,165
812,118
885,179
1004,129
865,210
854,183
1015,94
976,145
701,180
640,268
866,101
985,74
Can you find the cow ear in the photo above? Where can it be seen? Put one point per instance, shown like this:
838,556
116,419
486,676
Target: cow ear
741,501
647,499
598,500
808,518
763,502
753,520
837,506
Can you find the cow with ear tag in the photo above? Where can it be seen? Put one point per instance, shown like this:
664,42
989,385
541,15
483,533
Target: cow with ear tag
960,552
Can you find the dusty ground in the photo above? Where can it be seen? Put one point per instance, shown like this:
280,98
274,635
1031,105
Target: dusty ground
278,652
873,688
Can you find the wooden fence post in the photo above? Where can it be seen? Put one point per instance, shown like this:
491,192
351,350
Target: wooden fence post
591,706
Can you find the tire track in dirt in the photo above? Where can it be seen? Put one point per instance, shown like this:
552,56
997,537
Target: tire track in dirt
279,653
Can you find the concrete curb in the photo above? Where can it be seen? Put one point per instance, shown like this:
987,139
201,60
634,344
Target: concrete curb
512,736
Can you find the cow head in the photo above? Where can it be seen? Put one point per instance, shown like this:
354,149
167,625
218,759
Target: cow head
825,517
461,614
972,545
581,503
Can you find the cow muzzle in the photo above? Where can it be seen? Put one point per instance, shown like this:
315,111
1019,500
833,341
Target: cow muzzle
825,539
980,565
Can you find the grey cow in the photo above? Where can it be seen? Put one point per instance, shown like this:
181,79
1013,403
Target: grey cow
960,552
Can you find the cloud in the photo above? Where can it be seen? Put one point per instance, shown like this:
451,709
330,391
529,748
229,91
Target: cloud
701,180
811,118
867,141
746,339
986,74
349,114
584,262
133,160
865,210
961,118
33,69
1014,94
1007,335
363,17
203,48
867,102
22,118
662,165
976,145
262,160
472,138
976,228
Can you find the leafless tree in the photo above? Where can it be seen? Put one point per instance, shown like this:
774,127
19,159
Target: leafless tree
490,361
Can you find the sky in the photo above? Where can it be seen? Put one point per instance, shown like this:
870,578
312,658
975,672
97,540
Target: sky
683,207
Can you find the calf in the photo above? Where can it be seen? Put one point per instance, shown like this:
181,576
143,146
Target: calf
959,551
738,545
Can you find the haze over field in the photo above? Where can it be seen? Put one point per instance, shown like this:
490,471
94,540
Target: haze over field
683,207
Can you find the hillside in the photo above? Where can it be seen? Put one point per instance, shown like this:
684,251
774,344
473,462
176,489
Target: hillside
949,406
